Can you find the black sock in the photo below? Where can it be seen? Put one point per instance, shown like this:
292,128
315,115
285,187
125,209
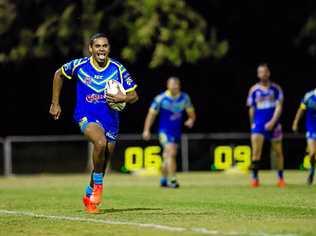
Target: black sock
255,169
280,174
312,169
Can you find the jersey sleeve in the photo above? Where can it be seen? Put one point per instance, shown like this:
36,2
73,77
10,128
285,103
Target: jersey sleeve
127,80
188,104
68,68
279,96
155,105
251,98
304,102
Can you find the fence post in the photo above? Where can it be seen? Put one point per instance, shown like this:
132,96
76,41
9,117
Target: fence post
7,161
185,152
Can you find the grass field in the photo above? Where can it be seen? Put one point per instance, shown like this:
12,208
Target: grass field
208,204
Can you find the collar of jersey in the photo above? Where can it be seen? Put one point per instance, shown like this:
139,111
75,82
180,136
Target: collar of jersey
97,69
168,93
265,88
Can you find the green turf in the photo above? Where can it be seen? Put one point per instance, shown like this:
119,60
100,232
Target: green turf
219,202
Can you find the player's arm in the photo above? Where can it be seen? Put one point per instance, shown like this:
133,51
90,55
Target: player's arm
149,121
189,108
55,109
191,117
276,115
251,104
299,114
130,97
129,85
278,109
251,113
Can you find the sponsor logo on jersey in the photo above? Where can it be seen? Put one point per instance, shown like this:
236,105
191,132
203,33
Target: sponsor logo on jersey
98,76
127,77
176,116
265,100
95,98
87,80
129,81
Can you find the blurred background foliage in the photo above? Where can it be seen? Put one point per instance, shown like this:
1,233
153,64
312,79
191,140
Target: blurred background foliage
171,30
167,31
307,36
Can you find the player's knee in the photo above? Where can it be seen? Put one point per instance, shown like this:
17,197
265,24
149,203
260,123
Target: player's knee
100,145
312,151
173,153
169,153
171,149
279,155
256,152
166,154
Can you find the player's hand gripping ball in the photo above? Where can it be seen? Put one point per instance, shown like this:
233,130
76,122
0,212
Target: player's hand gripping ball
113,87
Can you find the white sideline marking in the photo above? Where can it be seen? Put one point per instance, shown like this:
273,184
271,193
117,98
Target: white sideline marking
141,225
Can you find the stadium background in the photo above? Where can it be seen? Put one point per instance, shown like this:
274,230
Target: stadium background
256,32
281,34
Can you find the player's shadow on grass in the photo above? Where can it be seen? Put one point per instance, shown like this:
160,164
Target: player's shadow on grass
113,210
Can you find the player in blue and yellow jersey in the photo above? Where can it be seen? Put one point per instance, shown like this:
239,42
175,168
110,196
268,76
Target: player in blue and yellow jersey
308,104
265,102
170,106
97,121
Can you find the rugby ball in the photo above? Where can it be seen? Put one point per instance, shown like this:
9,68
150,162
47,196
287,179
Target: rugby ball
113,87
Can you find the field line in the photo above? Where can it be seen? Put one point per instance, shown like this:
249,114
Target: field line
141,225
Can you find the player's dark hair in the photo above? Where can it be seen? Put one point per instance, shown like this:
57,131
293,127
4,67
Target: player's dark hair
96,36
264,64
174,78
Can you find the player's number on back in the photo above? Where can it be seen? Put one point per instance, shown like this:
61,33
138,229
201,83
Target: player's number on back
137,158
226,156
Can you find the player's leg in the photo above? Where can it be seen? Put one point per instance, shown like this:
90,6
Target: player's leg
169,155
107,161
108,156
95,133
169,165
106,166
163,139
312,153
277,148
257,141
164,171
